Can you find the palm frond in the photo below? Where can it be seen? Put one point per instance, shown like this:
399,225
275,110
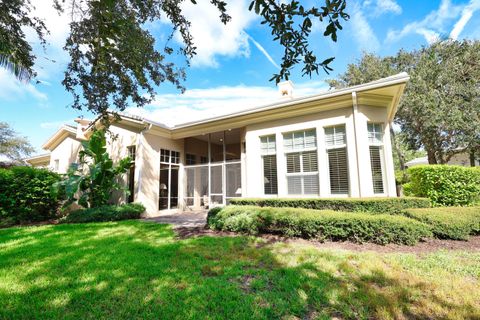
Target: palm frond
20,72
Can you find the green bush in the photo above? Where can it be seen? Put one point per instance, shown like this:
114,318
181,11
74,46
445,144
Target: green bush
26,195
321,225
371,205
106,213
450,222
445,185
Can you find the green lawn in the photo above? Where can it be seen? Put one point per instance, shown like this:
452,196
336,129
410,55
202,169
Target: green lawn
135,269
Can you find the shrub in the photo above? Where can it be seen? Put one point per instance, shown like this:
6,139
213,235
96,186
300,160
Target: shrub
371,205
445,185
26,195
450,222
321,225
106,213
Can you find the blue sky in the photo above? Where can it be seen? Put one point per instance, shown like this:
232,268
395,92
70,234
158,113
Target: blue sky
234,63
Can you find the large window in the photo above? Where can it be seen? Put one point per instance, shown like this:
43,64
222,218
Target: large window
336,144
375,140
168,180
269,156
302,165
131,174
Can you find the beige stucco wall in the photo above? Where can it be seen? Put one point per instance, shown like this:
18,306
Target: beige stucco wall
66,153
360,179
148,154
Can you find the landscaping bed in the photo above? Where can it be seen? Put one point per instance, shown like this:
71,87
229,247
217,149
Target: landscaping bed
319,224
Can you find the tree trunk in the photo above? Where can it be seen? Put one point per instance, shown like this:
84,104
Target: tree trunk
432,159
472,158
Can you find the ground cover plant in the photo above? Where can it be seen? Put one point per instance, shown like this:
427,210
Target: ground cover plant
456,223
319,224
371,205
134,269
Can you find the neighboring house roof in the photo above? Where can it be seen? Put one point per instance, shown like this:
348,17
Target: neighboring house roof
39,160
417,161
62,133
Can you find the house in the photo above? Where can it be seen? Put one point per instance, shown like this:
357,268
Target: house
459,159
329,145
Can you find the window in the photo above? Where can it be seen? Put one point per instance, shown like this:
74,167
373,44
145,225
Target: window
131,174
203,159
56,164
268,151
375,139
302,162
167,156
191,159
336,143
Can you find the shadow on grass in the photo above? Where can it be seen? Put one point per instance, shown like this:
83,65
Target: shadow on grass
139,270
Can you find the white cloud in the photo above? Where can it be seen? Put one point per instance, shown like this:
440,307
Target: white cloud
198,104
381,7
13,90
211,37
432,26
362,31
467,14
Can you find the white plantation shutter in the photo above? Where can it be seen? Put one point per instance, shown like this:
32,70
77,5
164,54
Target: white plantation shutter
338,169
302,163
270,174
376,156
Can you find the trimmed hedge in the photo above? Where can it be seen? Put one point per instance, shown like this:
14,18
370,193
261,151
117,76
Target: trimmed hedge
321,225
26,195
106,213
445,185
450,222
371,205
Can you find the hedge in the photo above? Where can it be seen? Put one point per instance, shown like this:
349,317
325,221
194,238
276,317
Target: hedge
26,195
371,205
450,222
445,185
105,213
318,224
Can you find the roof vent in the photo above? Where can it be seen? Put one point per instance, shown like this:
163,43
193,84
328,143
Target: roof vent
286,89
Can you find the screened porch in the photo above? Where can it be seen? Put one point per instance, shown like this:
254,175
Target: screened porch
213,168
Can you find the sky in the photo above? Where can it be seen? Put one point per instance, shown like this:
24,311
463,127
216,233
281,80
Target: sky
234,63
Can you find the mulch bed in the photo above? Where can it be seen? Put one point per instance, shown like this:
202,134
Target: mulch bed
429,245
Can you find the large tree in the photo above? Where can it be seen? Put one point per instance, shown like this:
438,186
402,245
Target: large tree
115,60
12,145
440,110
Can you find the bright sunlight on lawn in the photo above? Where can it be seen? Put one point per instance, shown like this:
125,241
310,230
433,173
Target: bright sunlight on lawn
139,270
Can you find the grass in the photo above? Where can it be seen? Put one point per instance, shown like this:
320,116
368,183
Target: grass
138,270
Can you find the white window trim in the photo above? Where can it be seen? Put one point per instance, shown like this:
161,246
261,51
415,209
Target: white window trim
382,160
339,146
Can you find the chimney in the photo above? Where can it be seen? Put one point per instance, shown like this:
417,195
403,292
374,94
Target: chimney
286,89
82,126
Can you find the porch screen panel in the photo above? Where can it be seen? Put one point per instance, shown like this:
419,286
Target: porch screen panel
336,143
234,180
216,189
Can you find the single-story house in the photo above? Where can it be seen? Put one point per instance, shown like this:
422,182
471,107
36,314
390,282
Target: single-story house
459,159
329,145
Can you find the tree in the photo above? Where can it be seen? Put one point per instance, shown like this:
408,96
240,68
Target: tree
440,109
15,52
114,60
95,177
12,145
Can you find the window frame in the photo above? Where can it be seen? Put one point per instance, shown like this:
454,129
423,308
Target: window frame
268,153
335,146
380,143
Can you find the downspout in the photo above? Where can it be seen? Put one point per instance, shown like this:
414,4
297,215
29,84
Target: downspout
138,169
355,112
